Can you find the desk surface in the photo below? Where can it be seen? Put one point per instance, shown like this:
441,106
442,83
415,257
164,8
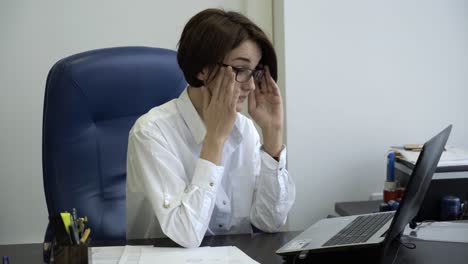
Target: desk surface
262,247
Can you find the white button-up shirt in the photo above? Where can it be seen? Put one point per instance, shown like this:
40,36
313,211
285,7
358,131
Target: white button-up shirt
172,191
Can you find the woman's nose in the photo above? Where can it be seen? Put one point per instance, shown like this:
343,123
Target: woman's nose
249,86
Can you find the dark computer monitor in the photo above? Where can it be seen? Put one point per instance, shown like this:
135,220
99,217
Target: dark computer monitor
418,185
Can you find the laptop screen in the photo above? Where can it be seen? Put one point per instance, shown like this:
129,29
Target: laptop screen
418,184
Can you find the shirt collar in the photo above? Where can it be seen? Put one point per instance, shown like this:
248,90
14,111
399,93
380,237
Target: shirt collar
195,123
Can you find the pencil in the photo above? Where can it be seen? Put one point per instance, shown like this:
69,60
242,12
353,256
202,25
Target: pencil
85,236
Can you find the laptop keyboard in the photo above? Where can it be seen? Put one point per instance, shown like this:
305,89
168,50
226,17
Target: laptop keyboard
360,229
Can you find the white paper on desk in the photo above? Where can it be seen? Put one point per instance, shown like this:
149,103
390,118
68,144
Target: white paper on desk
440,231
131,254
203,255
105,255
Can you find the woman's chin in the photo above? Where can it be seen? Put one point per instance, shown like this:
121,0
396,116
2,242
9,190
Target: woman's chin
239,106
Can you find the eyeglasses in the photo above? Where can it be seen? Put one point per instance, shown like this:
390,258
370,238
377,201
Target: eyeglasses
243,74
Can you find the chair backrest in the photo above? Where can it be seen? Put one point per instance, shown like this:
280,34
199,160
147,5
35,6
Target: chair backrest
92,99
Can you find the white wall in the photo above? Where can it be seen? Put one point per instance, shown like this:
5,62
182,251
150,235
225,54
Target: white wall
34,35
363,75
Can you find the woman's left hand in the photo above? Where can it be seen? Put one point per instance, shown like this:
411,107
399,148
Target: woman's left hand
266,104
266,109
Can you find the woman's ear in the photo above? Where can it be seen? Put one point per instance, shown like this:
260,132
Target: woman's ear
203,75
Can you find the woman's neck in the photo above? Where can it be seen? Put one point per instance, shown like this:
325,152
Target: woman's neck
196,97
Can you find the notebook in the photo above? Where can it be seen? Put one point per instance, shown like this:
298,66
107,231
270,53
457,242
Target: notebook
373,230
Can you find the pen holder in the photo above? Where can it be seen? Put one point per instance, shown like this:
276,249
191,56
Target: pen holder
75,254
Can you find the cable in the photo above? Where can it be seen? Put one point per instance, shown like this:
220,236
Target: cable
396,254
409,245
406,245
295,258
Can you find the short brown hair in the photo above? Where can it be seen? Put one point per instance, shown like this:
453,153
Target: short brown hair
211,34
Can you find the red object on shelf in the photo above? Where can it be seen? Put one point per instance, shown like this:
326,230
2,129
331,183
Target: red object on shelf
400,191
389,195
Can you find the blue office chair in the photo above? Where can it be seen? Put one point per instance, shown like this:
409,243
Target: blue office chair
92,99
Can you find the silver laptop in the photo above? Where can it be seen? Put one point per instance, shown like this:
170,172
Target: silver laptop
378,229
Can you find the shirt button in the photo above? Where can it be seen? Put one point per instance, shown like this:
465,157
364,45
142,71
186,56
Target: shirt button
211,184
224,202
166,205
220,226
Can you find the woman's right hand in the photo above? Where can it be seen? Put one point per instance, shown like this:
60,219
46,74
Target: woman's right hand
219,112
219,104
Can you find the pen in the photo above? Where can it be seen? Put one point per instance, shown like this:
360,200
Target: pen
85,236
74,217
80,226
72,236
74,233
85,223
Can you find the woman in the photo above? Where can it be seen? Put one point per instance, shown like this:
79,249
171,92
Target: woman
195,165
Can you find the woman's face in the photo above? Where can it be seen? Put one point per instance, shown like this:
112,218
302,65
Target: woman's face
246,56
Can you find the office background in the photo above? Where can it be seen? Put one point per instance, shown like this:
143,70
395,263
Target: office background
357,77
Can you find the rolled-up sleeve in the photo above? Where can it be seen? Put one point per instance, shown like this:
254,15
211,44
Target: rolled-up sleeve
182,208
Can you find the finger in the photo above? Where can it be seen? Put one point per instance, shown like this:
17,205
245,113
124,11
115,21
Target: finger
272,84
263,85
258,95
252,103
228,87
275,87
235,98
258,84
267,80
216,84
206,97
